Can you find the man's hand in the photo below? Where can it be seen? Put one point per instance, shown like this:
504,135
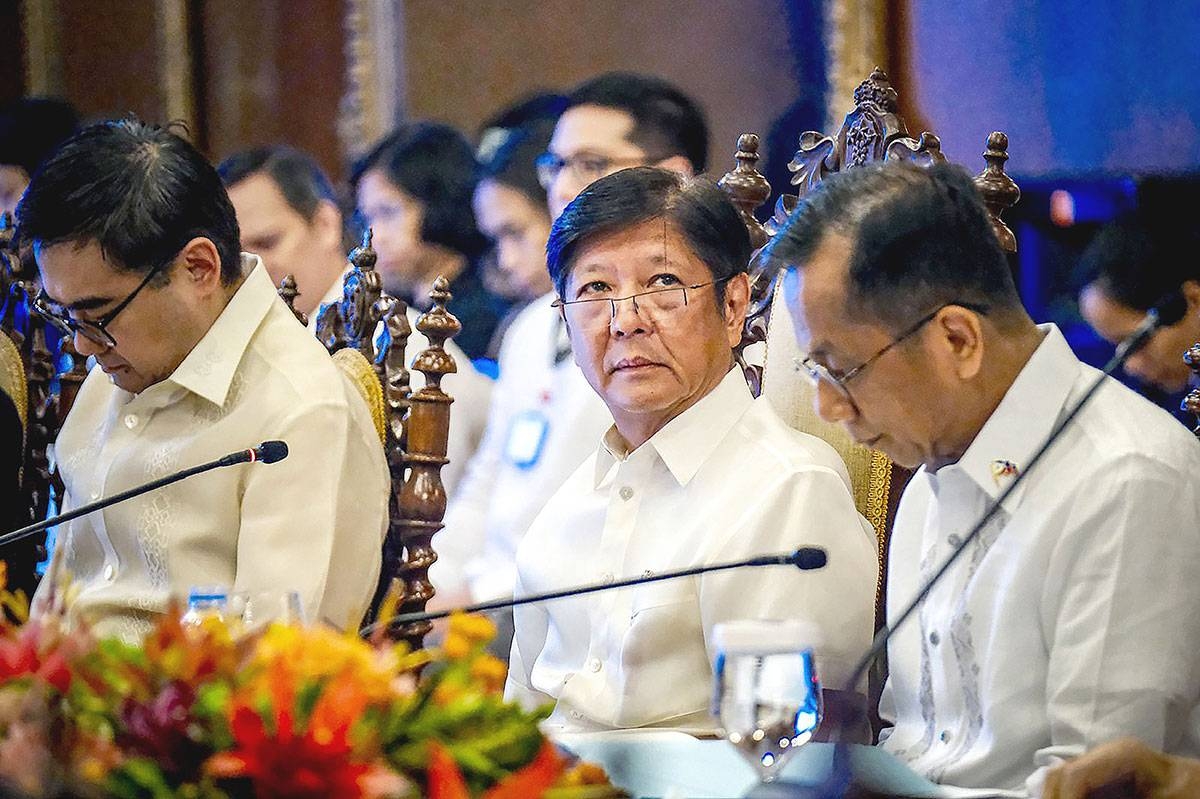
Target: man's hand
1124,768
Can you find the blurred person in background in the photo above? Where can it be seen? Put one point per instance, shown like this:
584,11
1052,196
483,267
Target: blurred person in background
510,201
414,191
1129,267
289,217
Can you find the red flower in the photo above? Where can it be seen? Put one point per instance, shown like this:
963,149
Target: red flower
283,762
534,779
445,779
27,655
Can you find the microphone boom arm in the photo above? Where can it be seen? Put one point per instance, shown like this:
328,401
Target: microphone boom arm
804,558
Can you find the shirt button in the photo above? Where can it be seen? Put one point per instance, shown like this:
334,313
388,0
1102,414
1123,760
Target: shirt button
934,638
953,540
131,421
109,572
95,496
647,573
575,714
626,492
945,736
607,578
594,665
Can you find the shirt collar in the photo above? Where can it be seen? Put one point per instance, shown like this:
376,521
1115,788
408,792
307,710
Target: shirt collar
687,441
209,368
1024,418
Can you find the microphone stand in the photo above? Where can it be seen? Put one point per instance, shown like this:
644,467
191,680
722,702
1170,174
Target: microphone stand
267,452
805,558
1167,312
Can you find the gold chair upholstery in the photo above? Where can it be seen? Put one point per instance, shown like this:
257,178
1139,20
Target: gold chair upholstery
358,369
12,377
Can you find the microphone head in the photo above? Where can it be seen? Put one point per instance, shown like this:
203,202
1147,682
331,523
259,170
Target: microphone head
1170,308
809,558
271,451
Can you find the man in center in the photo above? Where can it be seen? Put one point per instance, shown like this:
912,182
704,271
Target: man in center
650,270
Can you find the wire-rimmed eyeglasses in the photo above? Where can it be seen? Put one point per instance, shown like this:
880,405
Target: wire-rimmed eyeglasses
587,167
655,306
94,330
817,372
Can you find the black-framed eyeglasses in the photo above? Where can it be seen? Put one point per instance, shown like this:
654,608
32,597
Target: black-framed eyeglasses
587,167
817,372
655,305
94,330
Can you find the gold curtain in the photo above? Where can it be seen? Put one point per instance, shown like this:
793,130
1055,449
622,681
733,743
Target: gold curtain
856,41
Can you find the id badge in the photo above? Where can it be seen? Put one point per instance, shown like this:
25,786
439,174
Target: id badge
526,437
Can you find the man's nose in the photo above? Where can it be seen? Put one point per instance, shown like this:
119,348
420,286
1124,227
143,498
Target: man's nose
566,187
832,404
85,346
627,317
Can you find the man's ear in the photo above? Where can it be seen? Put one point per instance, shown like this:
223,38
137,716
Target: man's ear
327,221
735,306
201,264
959,340
677,163
1191,293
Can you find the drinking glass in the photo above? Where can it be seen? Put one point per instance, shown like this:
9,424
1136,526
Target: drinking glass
262,608
768,696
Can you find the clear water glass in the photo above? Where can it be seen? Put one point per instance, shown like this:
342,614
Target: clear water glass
768,695
258,609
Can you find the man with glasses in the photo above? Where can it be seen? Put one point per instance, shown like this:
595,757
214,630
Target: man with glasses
137,248
1075,617
650,271
544,418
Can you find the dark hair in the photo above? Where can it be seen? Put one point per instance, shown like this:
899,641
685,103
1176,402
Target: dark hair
296,174
32,127
666,121
698,209
1136,260
512,162
920,237
139,191
436,166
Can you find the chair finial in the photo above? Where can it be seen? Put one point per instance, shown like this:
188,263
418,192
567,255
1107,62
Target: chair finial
747,188
999,191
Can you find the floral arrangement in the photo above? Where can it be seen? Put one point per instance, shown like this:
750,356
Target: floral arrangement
197,712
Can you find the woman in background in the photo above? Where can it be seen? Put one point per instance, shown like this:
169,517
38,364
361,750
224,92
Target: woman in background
414,191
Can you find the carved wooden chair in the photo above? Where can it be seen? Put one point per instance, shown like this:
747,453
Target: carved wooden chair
414,426
871,132
41,385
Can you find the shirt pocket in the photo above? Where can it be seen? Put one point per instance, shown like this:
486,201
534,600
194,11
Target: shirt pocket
664,665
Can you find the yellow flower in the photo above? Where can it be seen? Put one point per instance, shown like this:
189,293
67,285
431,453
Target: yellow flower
476,629
490,672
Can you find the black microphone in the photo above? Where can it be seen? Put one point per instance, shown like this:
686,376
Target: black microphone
266,452
1169,310
804,558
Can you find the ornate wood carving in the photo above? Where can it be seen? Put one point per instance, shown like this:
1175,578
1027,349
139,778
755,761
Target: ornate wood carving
1191,403
52,380
418,423
422,501
999,191
872,131
288,293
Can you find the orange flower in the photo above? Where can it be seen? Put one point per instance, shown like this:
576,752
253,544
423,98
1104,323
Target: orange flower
534,779
281,761
445,779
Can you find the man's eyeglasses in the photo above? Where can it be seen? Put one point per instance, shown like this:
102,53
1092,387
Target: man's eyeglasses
586,167
817,372
94,330
592,315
